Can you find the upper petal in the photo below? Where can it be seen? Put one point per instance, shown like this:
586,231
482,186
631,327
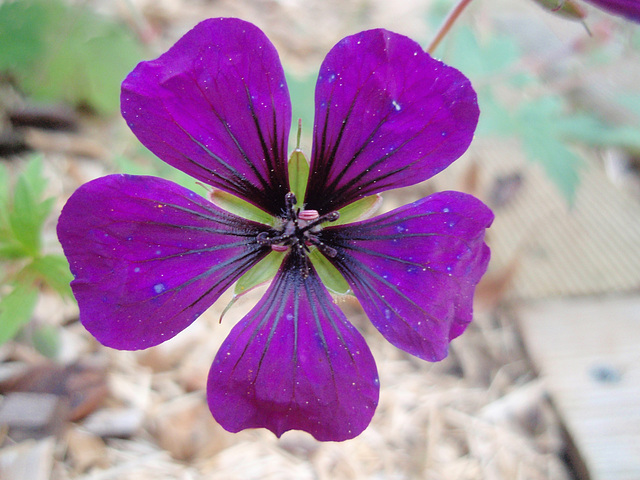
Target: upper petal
149,256
415,269
387,115
294,362
629,9
216,106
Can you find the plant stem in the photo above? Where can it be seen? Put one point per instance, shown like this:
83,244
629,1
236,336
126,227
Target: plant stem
447,24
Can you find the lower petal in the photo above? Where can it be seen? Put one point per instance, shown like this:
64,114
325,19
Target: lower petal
148,257
414,269
295,362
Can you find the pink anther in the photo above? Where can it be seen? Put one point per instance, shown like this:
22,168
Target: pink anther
308,215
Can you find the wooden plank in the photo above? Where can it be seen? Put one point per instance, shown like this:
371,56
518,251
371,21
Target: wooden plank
587,352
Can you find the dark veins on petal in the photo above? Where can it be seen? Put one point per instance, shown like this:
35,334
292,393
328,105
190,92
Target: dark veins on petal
217,109
295,362
387,115
149,256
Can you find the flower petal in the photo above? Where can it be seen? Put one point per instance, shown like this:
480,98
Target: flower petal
149,256
217,107
415,269
629,9
387,115
295,362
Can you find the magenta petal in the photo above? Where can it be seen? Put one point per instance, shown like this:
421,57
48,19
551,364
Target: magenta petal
148,257
294,362
217,107
387,115
629,9
415,269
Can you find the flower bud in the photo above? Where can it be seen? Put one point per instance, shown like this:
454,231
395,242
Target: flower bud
565,8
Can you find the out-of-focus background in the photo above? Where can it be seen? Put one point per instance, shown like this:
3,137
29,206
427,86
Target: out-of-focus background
543,385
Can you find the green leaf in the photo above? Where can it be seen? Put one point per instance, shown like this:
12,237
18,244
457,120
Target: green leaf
6,236
52,270
298,174
71,53
15,310
560,164
495,119
478,61
591,131
28,216
358,210
22,215
483,63
330,276
21,40
544,143
28,212
46,340
236,205
262,272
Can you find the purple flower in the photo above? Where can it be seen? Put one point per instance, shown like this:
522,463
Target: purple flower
149,256
629,9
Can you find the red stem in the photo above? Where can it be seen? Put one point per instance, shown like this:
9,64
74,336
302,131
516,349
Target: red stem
447,24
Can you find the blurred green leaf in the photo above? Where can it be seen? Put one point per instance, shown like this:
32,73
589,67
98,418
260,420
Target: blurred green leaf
22,215
46,340
542,125
495,56
28,216
21,39
15,310
543,142
6,237
69,52
591,131
487,65
52,270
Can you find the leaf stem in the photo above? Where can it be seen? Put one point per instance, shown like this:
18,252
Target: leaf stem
447,24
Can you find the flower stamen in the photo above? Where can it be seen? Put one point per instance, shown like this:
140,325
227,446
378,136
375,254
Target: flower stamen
299,229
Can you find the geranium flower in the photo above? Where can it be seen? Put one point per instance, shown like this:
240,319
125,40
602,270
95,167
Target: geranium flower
149,256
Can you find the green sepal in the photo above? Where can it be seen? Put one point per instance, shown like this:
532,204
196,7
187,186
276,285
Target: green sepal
236,205
330,276
262,272
15,310
358,210
298,174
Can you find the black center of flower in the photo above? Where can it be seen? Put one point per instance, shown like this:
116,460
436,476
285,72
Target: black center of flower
298,229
